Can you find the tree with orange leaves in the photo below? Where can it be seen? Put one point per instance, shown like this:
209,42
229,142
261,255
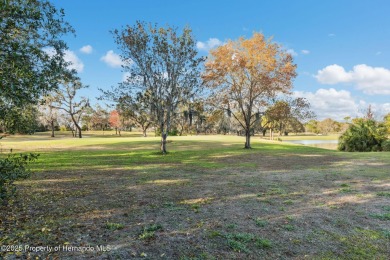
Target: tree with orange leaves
245,74
115,121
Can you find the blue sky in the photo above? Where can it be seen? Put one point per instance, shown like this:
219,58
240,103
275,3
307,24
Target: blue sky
341,47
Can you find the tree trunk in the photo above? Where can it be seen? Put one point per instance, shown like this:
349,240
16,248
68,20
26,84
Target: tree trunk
52,128
116,130
144,132
247,139
163,143
78,128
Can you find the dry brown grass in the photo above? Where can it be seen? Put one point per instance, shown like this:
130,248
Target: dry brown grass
209,199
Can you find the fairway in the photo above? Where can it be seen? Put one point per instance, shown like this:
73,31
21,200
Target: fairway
118,198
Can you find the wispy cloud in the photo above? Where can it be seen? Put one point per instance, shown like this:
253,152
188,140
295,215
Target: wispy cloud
331,35
87,49
292,52
112,59
209,44
305,52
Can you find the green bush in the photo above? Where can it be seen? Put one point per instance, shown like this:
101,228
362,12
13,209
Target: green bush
12,168
365,135
386,146
173,132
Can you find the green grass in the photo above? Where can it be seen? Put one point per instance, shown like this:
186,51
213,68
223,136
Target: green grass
383,194
261,222
208,198
384,216
114,226
148,232
243,242
288,227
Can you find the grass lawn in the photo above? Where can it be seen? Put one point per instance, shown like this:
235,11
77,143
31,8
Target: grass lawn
207,199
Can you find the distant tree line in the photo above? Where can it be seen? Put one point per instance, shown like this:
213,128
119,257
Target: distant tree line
243,87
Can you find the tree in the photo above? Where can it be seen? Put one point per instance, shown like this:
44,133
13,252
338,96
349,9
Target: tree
100,118
387,122
162,63
294,125
288,114
245,74
312,126
369,113
364,135
20,120
87,119
190,116
276,115
28,28
49,113
328,125
66,100
137,110
115,121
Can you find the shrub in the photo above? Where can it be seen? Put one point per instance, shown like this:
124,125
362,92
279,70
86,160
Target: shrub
386,146
365,135
173,132
12,168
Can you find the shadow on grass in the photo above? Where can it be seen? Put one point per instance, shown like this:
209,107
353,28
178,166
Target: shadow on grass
197,153
210,201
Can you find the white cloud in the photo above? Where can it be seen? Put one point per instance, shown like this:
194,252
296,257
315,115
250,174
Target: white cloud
292,52
87,49
383,109
331,103
331,35
371,80
378,53
210,44
70,57
305,52
333,74
112,59
75,62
